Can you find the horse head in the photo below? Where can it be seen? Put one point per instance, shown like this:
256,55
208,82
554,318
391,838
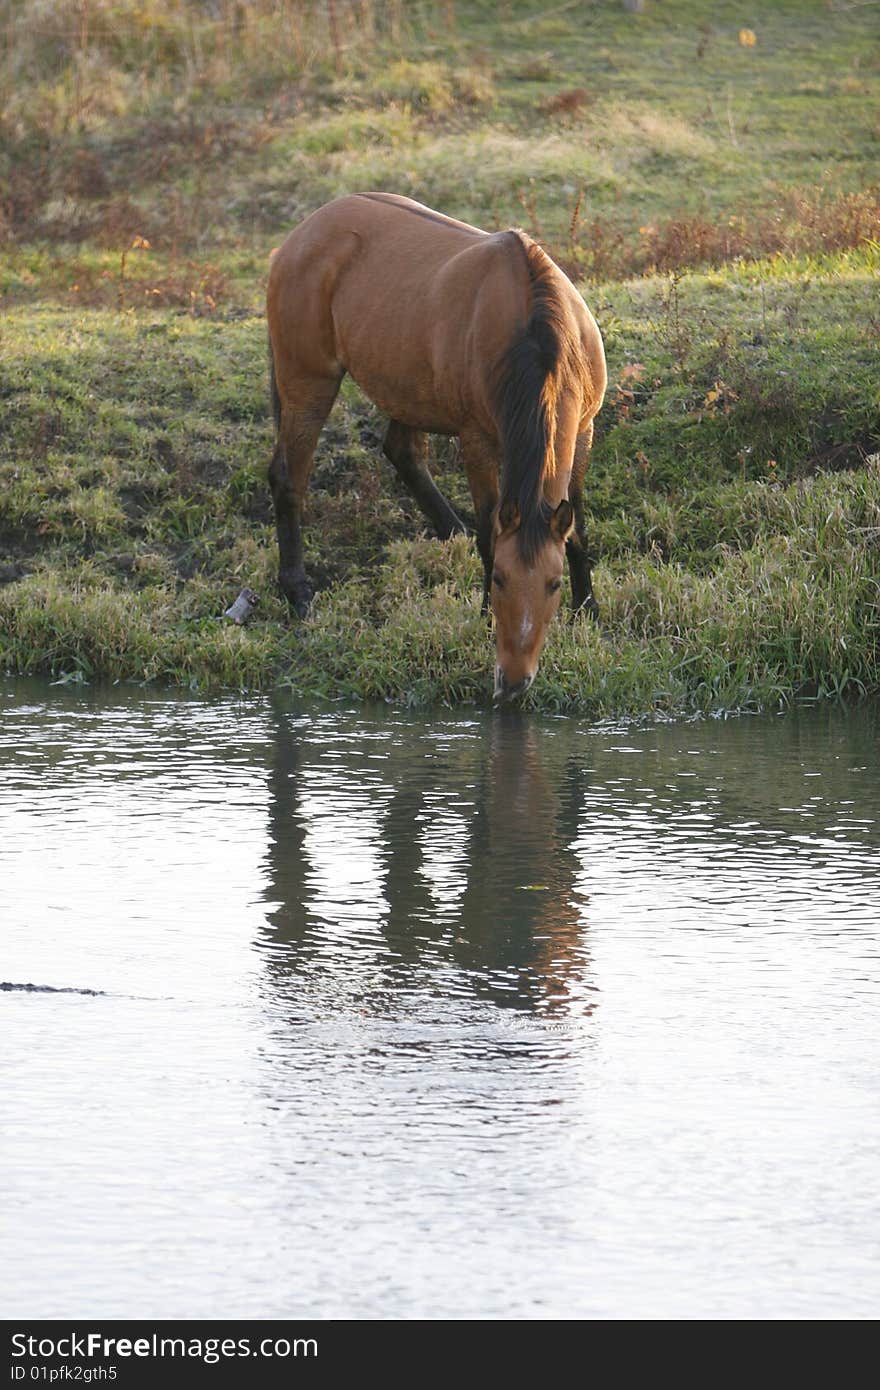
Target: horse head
525,593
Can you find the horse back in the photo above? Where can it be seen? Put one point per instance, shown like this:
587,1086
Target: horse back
416,307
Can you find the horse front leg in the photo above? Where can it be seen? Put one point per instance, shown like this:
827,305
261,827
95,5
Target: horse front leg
486,548
582,597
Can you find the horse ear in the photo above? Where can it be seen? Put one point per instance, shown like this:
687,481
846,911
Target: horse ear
562,520
508,515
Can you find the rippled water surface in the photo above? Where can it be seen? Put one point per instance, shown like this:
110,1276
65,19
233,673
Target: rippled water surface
381,1015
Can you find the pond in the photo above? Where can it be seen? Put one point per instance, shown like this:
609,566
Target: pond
314,1011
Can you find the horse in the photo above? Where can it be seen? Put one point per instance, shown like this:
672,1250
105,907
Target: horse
454,331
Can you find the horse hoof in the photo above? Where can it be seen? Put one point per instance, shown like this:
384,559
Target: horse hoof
301,600
588,609
298,594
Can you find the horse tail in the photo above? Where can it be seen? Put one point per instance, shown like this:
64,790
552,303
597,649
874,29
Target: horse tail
525,396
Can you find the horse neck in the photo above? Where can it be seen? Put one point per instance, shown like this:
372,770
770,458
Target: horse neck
537,395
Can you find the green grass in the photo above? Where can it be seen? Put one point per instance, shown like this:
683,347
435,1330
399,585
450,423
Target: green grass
621,140
714,201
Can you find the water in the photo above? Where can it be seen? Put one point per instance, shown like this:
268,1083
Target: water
467,1015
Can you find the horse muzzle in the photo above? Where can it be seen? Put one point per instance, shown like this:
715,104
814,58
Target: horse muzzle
505,691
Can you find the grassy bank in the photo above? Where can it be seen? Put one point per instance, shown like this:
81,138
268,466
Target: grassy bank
712,196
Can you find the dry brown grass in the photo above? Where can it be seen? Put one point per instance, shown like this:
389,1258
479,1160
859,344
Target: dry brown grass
803,222
565,102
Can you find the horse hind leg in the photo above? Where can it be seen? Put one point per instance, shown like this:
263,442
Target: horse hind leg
407,450
300,414
481,462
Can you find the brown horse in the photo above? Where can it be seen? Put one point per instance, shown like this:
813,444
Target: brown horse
449,330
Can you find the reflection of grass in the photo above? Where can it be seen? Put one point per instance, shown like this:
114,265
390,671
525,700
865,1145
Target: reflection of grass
732,509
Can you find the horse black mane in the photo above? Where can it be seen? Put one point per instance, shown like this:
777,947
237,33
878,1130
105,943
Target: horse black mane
525,398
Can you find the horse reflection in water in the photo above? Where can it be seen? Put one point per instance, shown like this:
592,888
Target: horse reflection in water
413,862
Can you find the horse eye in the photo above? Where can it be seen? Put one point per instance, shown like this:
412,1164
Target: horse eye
498,579
554,584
